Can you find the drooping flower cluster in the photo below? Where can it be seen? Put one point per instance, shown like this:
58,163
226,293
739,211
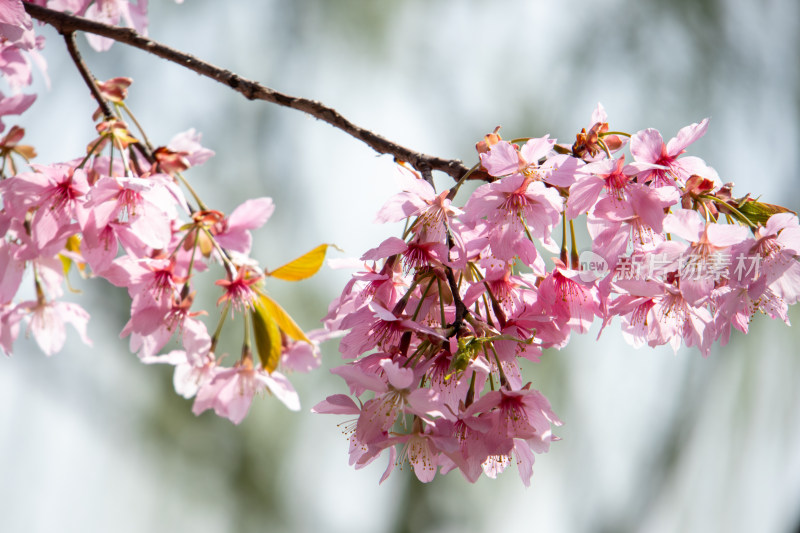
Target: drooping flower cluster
119,212
437,322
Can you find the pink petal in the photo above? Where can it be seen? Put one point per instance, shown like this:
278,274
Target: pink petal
382,313
780,221
12,13
690,165
252,214
390,246
399,378
189,143
358,379
12,273
283,390
390,466
790,237
686,136
646,145
502,159
525,460
535,149
421,458
48,329
648,206
583,194
721,235
400,206
338,404
17,104
685,223
599,114
196,341
78,317
562,169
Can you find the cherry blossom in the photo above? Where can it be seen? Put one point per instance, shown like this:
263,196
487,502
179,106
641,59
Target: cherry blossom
647,146
230,392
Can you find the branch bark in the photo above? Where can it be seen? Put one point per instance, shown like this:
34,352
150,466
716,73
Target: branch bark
65,24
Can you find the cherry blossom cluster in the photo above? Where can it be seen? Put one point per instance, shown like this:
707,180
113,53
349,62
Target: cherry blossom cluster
437,321
119,212
434,323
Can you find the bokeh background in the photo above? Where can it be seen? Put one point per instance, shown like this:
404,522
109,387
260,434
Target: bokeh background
94,441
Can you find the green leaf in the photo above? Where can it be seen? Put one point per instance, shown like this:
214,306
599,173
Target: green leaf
759,212
281,318
303,267
268,338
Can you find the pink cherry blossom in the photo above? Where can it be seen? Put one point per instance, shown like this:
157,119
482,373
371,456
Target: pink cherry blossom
187,144
231,391
513,207
663,316
146,205
705,240
567,297
636,221
191,373
504,159
237,291
47,321
419,199
233,232
611,175
775,250
55,193
301,356
736,306
647,146
524,414
422,451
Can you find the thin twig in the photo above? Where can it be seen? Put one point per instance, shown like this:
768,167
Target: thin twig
91,82
461,308
66,23
69,37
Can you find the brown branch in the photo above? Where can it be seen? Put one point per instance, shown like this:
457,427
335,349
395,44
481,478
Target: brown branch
461,308
66,24
91,82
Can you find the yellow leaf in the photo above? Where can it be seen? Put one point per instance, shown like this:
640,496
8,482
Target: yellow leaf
66,263
73,245
281,318
268,338
303,267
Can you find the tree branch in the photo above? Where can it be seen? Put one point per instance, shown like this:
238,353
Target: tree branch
69,37
66,24
91,82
